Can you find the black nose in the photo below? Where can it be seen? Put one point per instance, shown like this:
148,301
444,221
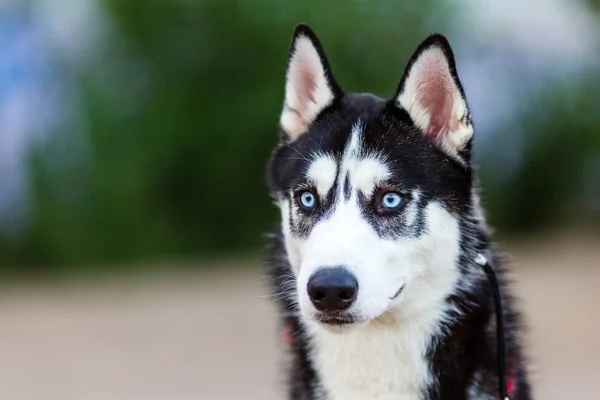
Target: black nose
332,289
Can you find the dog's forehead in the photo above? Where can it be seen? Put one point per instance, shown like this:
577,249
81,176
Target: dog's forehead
356,167
363,136
385,128
389,147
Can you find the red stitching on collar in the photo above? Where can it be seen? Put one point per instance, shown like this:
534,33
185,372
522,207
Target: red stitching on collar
510,383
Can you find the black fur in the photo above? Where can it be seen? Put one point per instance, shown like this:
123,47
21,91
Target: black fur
467,349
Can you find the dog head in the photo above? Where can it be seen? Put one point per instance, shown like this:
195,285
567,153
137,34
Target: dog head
371,190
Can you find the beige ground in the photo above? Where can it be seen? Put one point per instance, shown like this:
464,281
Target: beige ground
213,336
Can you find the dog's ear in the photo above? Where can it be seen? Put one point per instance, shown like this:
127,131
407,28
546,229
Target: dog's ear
310,86
431,93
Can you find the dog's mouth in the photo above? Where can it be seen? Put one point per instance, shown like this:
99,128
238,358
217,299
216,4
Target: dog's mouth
338,320
397,293
335,320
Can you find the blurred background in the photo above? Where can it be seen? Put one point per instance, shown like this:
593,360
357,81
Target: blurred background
134,137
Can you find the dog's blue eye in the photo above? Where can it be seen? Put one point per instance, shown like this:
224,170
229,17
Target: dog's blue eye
391,200
307,199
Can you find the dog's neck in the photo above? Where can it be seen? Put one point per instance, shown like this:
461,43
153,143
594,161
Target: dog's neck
392,356
380,361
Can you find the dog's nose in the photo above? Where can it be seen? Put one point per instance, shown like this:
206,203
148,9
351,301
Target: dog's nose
332,289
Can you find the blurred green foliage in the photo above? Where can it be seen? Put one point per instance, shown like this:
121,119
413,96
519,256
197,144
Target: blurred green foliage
179,111
558,180
180,108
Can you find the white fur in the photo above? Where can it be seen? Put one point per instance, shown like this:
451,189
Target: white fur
345,239
322,172
366,173
350,153
291,242
411,210
307,91
386,356
431,73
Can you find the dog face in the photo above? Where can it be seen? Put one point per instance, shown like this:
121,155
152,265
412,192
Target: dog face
371,190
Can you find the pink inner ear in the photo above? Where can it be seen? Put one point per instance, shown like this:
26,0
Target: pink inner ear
434,94
306,83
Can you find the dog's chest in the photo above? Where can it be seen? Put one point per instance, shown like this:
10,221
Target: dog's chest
375,363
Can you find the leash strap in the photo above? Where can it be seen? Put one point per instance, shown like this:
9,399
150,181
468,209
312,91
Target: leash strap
500,336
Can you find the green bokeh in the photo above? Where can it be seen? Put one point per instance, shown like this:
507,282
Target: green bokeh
178,114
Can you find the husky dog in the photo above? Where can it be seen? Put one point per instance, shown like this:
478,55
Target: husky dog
375,265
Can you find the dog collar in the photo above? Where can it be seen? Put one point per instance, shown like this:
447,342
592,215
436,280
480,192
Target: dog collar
510,384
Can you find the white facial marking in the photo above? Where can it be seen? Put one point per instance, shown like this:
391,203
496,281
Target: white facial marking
291,243
367,173
411,210
307,91
364,172
322,172
386,358
350,153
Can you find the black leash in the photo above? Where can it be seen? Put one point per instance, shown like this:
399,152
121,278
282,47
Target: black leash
500,337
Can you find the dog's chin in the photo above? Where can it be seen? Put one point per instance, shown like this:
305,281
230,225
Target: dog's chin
342,322
337,323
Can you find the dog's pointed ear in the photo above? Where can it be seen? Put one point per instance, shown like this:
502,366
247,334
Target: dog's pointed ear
310,86
431,93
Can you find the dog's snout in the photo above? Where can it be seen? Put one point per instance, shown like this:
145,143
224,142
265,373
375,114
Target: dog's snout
332,289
